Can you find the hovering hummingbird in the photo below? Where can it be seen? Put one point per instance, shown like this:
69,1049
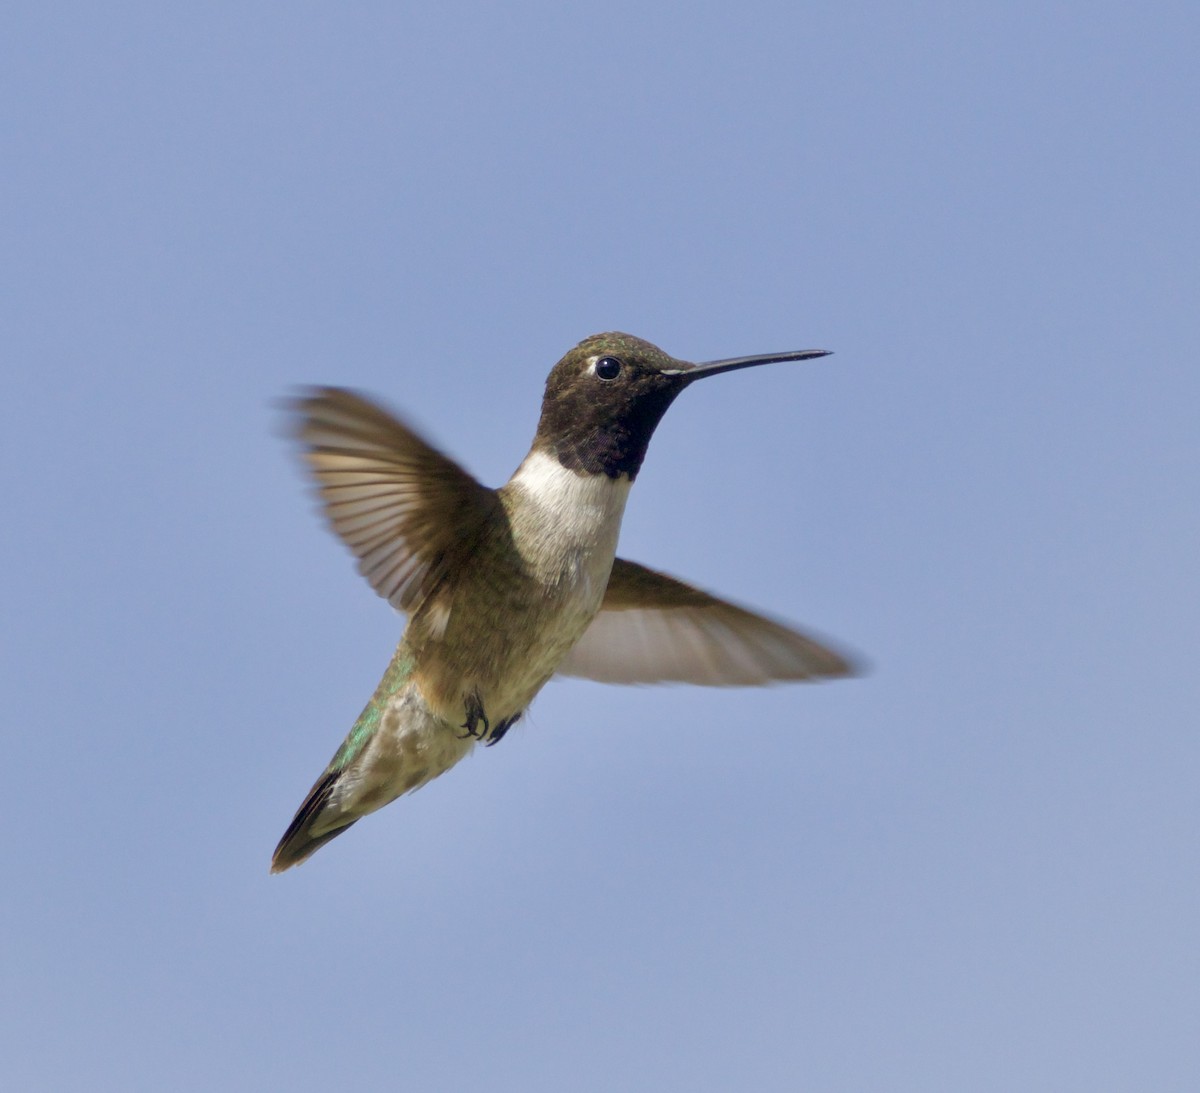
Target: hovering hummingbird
505,588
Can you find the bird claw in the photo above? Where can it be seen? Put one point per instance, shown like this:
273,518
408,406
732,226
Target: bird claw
487,734
475,714
499,731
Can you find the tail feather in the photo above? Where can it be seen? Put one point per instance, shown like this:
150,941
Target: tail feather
298,840
397,745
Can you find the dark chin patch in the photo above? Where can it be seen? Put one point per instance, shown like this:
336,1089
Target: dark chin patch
591,445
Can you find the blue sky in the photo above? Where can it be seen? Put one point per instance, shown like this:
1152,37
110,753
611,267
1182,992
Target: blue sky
975,868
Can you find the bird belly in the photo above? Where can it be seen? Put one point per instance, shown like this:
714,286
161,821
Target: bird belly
503,660
423,728
494,636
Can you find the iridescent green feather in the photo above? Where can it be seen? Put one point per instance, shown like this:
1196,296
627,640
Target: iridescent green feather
396,676
298,841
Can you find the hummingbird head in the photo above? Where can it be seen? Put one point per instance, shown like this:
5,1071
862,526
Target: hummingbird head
606,396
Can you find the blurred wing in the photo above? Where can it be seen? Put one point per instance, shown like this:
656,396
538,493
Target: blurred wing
409,513
652,628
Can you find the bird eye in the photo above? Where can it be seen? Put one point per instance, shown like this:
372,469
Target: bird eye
608,368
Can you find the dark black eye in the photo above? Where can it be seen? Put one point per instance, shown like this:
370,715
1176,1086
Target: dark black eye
608,368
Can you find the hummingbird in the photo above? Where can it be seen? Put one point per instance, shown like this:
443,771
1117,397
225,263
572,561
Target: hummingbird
505,588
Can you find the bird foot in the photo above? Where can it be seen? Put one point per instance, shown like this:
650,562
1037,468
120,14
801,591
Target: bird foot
499,731
475,715
487,734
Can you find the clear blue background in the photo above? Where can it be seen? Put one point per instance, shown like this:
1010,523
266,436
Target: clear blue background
973,869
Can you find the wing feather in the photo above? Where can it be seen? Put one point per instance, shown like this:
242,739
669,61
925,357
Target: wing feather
652,628
408,512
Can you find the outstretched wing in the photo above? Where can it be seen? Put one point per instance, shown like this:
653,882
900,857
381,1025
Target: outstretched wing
409,513
652,628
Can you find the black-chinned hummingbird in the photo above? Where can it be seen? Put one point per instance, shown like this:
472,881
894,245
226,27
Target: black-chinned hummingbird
505,588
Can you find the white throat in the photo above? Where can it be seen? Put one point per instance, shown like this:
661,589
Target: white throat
575,518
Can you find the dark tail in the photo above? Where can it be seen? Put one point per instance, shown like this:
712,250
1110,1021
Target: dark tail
298,840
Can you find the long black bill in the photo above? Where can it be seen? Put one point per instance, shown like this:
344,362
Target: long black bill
712,368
